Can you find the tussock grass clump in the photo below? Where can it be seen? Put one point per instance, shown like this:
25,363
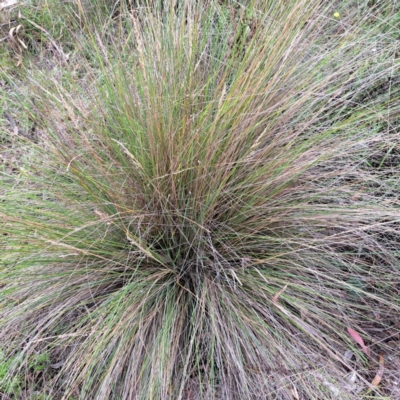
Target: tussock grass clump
211,204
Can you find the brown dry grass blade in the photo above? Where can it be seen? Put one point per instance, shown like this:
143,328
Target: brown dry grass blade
276,297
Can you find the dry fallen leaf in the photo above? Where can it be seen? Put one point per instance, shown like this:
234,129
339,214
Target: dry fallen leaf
378,377
359,340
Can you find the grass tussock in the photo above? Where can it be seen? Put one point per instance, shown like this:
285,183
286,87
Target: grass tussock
210,203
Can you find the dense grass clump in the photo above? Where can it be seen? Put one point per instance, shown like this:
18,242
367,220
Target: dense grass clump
211,202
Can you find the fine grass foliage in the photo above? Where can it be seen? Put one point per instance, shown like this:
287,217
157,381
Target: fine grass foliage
15,385
10,386
210,203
